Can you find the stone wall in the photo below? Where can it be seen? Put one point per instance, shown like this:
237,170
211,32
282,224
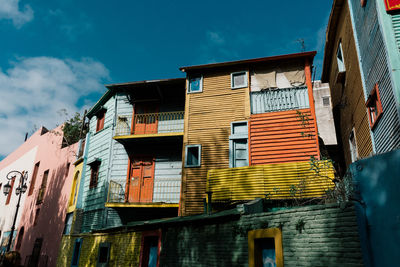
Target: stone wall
312,236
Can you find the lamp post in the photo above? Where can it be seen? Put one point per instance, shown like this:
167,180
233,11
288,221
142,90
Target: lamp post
19,191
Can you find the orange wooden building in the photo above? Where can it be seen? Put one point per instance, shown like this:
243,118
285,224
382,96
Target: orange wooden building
244,113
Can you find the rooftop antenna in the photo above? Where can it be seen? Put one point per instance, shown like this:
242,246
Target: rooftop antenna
302,44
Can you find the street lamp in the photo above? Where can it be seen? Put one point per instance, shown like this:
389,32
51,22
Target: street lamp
21,189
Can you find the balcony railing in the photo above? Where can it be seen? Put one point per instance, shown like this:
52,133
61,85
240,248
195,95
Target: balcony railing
151,123
273,181
164,192
279,100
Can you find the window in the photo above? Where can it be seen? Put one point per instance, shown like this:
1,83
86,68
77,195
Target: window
33,181
77,252
353,146
94,175
326,101
193,156
68,223
100,119
340,58
104,254
238,147
74,190
265,247
36,216
363,3
374,106
238,79
42,189
11,189
195,84
20,237
150,249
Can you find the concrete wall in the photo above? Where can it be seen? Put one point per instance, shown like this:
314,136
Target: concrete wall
377,183
326,125
329,238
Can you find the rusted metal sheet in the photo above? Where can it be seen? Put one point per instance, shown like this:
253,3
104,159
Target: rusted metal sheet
274,181
285,136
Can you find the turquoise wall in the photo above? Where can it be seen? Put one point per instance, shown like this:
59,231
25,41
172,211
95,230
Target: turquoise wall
377,183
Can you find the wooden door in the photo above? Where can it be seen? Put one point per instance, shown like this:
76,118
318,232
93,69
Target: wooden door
146,119
141,179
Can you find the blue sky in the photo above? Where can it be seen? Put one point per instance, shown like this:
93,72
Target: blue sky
57,54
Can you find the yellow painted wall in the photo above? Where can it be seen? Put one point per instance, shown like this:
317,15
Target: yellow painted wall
125,249
272,180
75,187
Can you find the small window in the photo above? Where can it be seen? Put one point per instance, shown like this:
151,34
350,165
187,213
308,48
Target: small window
374,106
20,238
326,101
100,120
94,175
11,189
340,58
238,145
36,217
265,247
238,79
33,180
77,252
68,223
363,3
104,254
195,84
353,146
193,156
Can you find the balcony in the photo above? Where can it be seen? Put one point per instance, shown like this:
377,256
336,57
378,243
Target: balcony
164,195
272,181
150,125
279,100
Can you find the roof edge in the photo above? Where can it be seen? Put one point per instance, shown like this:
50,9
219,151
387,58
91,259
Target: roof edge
309,54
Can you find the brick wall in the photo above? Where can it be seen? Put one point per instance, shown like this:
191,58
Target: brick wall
329,237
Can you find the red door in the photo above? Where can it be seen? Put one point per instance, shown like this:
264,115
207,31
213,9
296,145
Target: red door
146,119
141,181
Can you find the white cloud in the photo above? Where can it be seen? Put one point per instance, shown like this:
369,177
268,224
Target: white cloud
9,9
34,89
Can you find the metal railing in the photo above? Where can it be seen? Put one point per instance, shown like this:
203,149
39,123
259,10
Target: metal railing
163,192
151,123
279,100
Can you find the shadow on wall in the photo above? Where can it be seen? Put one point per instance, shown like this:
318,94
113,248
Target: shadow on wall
50,222
376,180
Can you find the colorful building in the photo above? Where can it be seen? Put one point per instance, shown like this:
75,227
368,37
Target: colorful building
134,158
361,64
246,124
40,221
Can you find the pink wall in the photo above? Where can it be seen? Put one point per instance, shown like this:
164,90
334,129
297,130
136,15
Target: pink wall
50,222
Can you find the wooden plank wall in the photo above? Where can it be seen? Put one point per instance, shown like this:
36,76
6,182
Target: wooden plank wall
278,137
208,116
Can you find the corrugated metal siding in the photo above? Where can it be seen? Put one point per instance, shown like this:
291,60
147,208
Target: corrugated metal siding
92,220
209,115
396,28
282,137
279,100
276,181
376,70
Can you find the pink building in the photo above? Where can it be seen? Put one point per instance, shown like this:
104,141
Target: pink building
42,214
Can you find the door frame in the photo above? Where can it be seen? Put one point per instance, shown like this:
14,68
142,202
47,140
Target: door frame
128,177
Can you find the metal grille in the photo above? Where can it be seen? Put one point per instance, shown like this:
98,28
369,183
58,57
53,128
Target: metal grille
279,100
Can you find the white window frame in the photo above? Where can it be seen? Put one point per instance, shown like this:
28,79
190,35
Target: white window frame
188,84
234,137
186,154
245,80
341,64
